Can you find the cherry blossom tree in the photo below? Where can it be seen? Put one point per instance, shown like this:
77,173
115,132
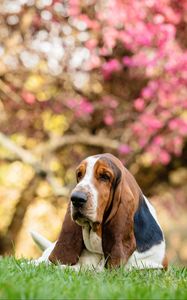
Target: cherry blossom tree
80,77
117,67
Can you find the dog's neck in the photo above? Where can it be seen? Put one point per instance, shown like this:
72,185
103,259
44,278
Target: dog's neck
92,238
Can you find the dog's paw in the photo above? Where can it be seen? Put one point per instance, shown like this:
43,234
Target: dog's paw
37,262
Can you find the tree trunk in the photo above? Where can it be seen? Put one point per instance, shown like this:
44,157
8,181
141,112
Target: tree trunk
7,242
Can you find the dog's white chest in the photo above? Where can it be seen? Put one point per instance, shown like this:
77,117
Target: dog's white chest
92,241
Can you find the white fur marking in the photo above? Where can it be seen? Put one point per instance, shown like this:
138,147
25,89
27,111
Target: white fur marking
88,181
151,258
92,241
88,261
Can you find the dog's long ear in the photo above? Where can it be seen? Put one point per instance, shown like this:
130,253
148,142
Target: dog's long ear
118,238
69,244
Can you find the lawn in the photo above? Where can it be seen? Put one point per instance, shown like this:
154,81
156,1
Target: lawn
19,280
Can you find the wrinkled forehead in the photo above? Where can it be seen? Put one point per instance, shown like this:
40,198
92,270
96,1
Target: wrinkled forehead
107,161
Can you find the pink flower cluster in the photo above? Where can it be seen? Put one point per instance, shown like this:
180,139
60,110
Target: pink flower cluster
148,29
151,50
81,107
110,67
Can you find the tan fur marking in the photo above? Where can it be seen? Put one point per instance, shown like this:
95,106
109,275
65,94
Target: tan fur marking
82,169
103,188
97,228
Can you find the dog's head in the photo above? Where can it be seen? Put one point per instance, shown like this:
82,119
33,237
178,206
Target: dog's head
97,179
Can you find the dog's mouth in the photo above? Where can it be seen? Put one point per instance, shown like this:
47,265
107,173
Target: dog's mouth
80,218
77,215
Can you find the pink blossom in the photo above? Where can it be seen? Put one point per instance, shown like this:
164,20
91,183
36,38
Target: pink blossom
104,51
73,7
84,108
110,37
151,122
158,19
127,61
144,38
158,140
80,106
139,104
71,103
147,92
109,101
108,119
110,67
124,149
177,145
183,128
91,44
174,144
142,141
91,23
137,129
185,104
180,125
164,157
94,62
28,97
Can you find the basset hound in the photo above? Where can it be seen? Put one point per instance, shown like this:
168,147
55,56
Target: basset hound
108,223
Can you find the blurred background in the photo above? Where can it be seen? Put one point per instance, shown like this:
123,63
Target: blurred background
82,77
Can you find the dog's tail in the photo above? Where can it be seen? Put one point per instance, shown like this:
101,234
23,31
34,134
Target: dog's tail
41,241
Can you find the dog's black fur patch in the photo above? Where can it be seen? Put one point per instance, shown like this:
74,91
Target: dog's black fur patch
147,231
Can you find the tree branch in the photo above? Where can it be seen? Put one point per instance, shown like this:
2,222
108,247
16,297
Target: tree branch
28,158
53,145
21,153
56,143
8,91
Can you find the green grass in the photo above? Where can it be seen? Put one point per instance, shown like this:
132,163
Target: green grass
19,280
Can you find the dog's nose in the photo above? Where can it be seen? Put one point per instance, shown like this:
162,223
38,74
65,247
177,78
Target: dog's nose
78,199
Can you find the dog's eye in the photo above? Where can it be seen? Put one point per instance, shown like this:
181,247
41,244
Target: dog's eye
79,175
104,177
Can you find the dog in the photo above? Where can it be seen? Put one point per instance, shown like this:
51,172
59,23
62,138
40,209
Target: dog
109,222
